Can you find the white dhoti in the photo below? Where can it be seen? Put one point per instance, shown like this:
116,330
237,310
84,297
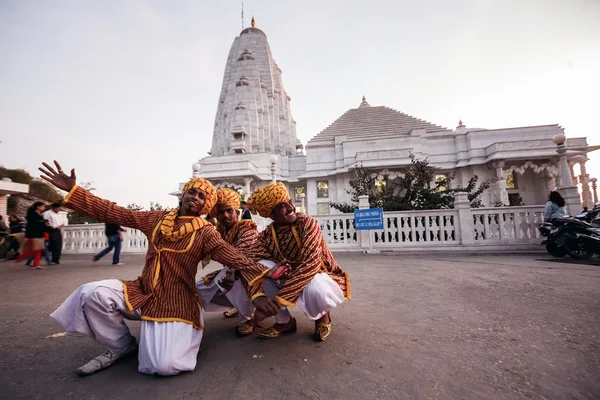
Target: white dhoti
213,301
237,297
98,309
320,296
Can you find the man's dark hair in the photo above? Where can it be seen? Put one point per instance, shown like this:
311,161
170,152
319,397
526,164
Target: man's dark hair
56,205
243,203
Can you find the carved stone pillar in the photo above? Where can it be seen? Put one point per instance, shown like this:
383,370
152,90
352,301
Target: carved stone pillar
550,181
568,191
594,189
584,178
573,176
499,193
247,188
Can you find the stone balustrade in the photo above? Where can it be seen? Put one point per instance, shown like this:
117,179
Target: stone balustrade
501,228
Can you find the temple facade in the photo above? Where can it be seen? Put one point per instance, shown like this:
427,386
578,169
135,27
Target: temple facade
254,142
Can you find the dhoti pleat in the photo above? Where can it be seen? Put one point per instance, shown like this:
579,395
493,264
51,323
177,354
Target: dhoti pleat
320,296
98,309
237,297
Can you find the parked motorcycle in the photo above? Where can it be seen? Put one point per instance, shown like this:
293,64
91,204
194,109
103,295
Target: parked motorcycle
550,231
561,236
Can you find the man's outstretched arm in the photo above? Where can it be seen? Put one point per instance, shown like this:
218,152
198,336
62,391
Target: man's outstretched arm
102,210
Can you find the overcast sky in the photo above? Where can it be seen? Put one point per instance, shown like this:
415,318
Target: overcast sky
126,91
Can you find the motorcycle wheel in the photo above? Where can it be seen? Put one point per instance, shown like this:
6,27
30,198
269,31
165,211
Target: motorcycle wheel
578,250
554,250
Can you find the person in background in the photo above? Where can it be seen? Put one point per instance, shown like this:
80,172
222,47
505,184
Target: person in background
34,234
44,253
17,231
115,238
555,207
245,212
4,239
56,222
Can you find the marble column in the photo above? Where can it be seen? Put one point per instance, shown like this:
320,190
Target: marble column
247,188
574,179
568,191
584,178
594,189
499,193
550,181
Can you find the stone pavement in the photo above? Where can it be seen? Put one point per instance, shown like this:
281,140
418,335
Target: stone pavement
418,327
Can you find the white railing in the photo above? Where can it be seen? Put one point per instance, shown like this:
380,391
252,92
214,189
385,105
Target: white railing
427,229
90,239
507,224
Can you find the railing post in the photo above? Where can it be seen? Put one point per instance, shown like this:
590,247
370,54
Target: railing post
365,237
465,218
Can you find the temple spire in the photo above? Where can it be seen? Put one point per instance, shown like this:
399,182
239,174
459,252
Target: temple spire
253,22
364,103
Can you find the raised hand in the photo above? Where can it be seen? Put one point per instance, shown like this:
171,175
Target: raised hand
58,178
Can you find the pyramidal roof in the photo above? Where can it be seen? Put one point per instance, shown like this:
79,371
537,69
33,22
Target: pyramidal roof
374,122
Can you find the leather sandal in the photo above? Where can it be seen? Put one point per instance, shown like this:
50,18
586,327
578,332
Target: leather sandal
244,329
272,332
322,331
231,313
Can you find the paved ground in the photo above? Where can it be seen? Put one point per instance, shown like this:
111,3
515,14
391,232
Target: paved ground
500,327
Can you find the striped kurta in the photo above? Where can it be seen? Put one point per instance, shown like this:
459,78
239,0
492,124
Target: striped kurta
166,289
304,246
242,236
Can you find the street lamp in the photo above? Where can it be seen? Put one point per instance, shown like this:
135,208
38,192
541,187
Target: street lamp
273,160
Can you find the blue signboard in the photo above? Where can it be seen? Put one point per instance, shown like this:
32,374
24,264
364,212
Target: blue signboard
370,219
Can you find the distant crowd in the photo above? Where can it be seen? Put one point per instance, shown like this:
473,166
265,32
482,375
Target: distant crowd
38,236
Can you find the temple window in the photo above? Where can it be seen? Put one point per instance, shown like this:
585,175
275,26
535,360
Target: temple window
322,189
442,179
380,185
298,192
511,180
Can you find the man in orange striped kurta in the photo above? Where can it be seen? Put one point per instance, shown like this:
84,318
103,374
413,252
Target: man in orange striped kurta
315,282
221,290
164,296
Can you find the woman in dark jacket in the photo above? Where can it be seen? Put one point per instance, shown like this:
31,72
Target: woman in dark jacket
34,234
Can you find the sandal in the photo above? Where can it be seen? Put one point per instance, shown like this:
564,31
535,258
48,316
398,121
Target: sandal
272,332
231,313
244,329
322,331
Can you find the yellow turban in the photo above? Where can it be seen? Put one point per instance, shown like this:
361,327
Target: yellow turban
227,197
207,188
266,198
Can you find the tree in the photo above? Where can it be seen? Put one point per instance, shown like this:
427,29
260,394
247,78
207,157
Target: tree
134,207
412,192
158,207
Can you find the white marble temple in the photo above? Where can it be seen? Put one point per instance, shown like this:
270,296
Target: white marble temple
254,142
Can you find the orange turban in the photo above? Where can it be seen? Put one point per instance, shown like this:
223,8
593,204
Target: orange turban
266,198
227,197
207,188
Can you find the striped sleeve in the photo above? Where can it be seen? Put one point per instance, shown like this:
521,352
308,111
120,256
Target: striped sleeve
106,211
247,238
259,250
309,261
226,254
